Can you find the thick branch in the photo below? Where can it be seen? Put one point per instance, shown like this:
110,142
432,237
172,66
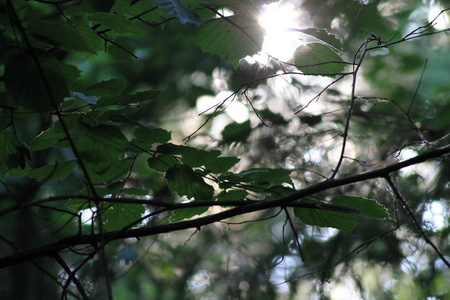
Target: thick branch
93,239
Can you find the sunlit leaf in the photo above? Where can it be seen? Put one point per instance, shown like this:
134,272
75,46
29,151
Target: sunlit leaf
322,35
232,38
318,59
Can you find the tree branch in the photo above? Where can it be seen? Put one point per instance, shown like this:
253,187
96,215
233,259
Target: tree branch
92,239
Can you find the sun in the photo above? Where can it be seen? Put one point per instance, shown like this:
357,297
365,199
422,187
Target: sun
278,20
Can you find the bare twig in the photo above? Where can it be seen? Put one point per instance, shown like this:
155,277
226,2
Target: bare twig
413,218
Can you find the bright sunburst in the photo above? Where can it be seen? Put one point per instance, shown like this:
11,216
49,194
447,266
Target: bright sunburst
278,19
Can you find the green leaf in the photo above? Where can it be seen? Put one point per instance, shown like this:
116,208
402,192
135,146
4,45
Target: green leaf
120,215
261,175
101,143
117,23
79,38
174,8
140,96
236,132
326,218
46,139
187,213
10,156
145,137
232,195
321,35
318,59
232,38
221,164
129,99
369,208
190,156
185,182
109,88
101,172
21,68
161,163
57,171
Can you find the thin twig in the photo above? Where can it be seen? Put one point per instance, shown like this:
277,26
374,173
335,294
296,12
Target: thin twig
413,218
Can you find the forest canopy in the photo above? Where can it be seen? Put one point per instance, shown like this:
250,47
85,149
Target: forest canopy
223,149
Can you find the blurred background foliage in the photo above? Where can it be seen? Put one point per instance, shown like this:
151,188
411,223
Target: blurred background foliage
255,256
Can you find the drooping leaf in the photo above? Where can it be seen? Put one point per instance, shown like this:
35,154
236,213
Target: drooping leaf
326,218
231,38
369,208
120,215
187,213
56,171
9,152
185,182
101,143
236,132
318,59
176,9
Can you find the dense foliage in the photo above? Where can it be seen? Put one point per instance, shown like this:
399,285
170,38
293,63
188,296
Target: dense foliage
152,149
